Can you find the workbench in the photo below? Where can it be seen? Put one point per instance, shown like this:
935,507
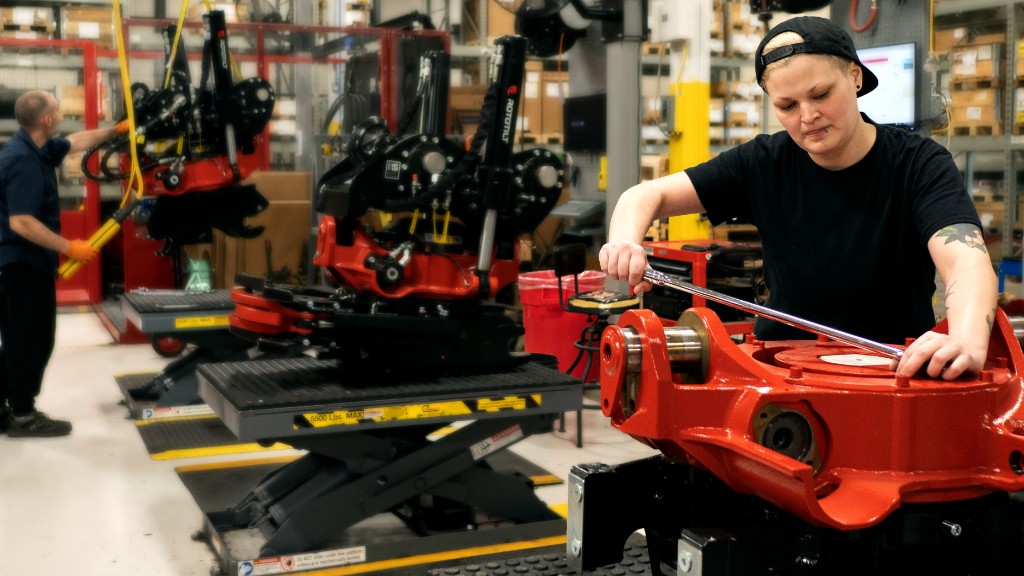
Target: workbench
416,449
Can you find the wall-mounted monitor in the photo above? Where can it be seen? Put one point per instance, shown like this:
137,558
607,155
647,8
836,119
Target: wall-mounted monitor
894,102
584,123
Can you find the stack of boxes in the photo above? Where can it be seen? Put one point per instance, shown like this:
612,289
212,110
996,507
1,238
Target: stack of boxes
976,80
26,23
735,107
978,77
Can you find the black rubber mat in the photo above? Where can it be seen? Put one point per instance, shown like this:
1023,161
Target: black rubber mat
172,438
179,301
221,485
297,382
134,381
550,561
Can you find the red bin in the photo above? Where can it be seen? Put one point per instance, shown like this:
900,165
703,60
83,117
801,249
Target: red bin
549,329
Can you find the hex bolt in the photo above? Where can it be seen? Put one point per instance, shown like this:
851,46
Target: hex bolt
685,561
577,547
955,530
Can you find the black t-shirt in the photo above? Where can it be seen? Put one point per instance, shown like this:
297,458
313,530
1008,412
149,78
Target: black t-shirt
844,248
28,185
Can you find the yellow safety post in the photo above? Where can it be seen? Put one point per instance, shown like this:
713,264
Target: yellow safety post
689,145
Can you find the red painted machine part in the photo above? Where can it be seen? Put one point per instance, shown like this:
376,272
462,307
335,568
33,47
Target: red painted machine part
202,175
880,440
427,275
257,314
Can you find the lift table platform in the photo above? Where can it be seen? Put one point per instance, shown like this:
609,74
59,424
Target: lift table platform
373,448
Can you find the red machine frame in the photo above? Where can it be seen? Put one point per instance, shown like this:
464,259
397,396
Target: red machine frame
875,439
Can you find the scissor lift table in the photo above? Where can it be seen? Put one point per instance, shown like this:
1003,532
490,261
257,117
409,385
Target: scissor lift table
373,448
198,318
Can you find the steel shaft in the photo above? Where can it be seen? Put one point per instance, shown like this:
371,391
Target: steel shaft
663,279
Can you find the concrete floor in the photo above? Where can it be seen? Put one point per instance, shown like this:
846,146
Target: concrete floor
95,504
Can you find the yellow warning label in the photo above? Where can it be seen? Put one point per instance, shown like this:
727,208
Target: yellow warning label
387,414
506,403
200,322
417,411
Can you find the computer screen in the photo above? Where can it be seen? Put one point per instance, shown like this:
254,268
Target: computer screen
584,123
894,101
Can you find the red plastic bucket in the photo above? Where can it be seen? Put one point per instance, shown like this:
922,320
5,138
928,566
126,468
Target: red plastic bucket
549,329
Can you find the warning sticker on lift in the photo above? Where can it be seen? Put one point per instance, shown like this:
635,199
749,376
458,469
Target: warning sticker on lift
302,562
192,322
485,448
417,411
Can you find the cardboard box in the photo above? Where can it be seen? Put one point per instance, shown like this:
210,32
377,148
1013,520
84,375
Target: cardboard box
1018,106
976,97
233,11
948,38
555,86
27,19
285,240
500,22
976,62
532,103
95,24
465,103
1019,62
975,115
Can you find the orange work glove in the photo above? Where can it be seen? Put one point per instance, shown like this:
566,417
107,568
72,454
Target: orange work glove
82,251
121,128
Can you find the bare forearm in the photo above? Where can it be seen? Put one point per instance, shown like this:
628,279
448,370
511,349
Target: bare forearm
634,212
970,300
31,229
86,139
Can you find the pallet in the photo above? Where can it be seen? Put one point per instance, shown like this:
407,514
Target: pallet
653,49
969,82
976,130
552,138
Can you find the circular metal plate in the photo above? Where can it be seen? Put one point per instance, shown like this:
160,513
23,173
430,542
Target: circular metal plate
839,360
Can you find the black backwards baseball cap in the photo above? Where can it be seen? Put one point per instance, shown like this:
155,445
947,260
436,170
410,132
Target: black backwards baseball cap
820,36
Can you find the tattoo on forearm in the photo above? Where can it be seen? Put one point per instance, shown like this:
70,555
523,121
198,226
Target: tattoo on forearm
990,319
949,293
968,234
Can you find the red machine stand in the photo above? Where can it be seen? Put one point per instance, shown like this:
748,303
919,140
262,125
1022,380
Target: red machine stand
697,256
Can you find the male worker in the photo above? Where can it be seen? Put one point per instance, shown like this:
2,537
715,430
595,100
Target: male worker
29,243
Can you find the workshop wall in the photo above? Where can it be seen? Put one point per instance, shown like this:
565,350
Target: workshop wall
896,23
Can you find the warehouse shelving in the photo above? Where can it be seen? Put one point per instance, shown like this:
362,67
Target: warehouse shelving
1005,16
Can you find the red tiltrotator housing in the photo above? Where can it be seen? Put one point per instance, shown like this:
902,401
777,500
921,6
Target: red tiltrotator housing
822,430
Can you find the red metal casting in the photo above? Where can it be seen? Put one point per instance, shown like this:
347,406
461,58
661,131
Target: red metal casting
254,313
874,440
203,174
440,276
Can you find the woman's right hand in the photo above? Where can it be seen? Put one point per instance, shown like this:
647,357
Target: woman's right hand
625,261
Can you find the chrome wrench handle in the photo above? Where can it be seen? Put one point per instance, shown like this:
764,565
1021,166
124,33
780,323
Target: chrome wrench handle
663,279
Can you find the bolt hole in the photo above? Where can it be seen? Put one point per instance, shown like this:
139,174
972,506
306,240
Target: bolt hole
1017,462
764,415
782,439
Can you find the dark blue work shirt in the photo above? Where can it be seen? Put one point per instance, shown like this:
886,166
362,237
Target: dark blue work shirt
28,185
